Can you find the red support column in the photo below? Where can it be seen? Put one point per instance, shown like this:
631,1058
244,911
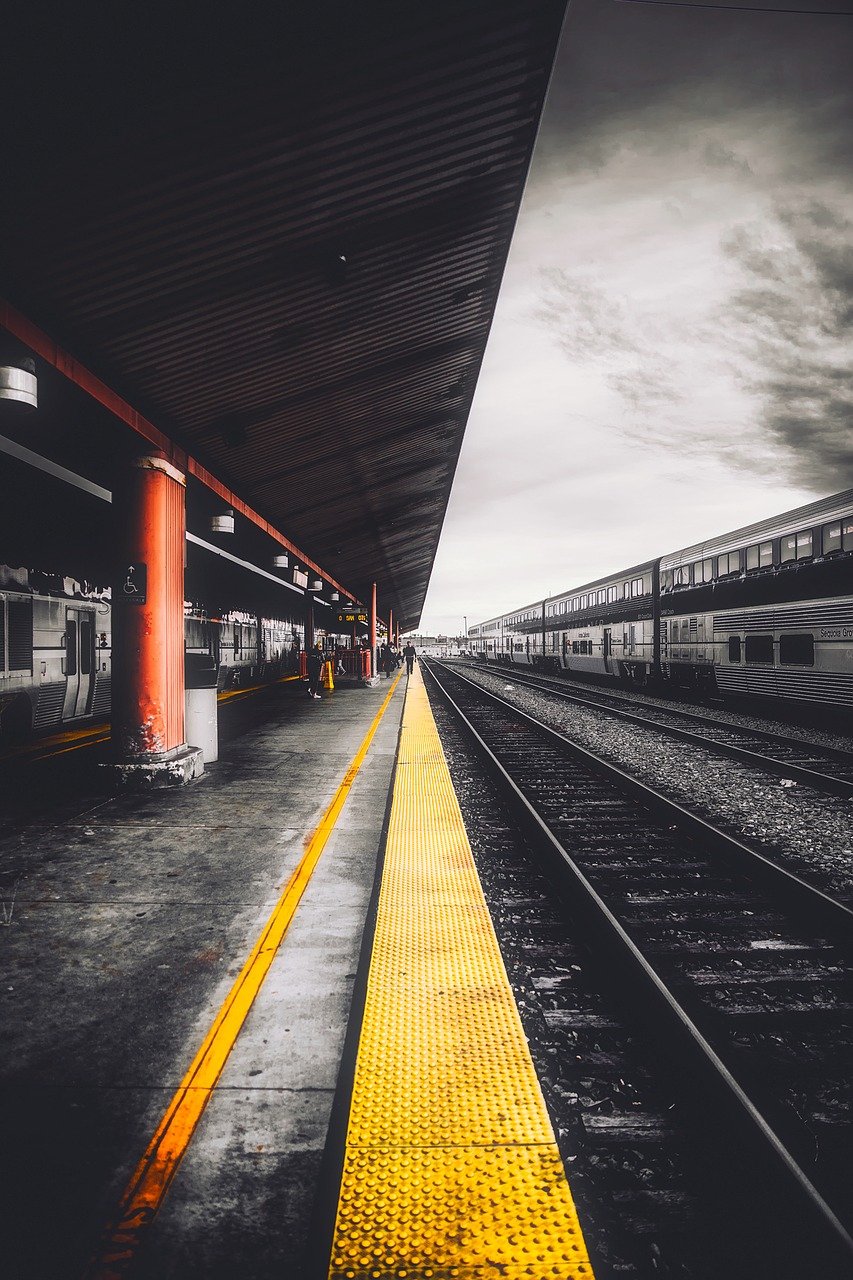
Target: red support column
148,630
374,665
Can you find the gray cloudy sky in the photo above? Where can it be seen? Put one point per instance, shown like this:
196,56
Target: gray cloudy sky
670,356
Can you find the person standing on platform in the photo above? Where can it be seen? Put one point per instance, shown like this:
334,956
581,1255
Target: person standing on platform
315,666
387,658
409,655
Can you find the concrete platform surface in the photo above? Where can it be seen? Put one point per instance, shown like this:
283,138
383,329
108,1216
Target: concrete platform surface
131,917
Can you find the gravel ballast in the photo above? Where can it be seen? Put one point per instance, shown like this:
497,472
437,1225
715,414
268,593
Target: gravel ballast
812,833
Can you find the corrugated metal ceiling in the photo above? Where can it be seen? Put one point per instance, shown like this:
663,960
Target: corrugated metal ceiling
281,237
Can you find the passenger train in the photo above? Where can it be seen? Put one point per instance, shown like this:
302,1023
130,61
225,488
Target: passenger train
56,650
763,611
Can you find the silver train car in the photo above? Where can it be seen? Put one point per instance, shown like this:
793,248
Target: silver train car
764,611
767,610
56,651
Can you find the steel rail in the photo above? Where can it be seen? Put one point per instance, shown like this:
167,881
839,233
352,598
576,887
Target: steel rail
737,1107
800,773
829,912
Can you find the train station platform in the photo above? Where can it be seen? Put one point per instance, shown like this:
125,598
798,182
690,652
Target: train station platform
232,1049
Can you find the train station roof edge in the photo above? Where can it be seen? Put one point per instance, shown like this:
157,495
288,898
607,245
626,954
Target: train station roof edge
44,346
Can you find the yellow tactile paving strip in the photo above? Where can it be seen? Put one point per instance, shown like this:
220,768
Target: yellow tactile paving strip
451,1168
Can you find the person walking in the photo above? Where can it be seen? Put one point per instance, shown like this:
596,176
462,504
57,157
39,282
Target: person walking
315,666
409,655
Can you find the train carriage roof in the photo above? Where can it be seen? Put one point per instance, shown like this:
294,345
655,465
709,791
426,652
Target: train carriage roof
825,509
634,572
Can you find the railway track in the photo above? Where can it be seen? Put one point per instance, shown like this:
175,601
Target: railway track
825,768
741,974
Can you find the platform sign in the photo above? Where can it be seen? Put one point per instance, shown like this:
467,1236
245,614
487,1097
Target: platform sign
352,617
134,584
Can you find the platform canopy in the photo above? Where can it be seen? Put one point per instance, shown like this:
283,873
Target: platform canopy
278,231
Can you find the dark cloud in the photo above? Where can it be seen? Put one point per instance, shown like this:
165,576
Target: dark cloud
592,326
627,68
583,317
793,321
683,254
718,156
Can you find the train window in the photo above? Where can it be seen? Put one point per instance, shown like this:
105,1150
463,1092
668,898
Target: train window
831,538
759,648
708,570
665,581
797,650
728,564
759,556
681,578
601,596
734,648
637,583
86,645
70,647
797,546
805,544
611,595
847,535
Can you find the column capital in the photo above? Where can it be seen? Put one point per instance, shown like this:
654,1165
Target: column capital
156,462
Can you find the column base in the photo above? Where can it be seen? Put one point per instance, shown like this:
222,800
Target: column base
184,766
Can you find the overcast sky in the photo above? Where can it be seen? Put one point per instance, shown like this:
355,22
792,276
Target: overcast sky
670,357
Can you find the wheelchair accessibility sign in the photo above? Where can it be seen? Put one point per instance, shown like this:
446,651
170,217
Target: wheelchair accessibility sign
134,583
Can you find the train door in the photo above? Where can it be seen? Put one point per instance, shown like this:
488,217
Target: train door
79,662
607,646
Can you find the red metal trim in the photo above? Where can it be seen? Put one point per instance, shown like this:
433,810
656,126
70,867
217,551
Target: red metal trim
44,347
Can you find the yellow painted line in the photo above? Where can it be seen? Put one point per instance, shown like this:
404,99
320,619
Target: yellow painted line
92,741
155,1171
41,748
55,739
227,694
451,1167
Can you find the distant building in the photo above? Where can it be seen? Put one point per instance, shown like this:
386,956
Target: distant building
437,646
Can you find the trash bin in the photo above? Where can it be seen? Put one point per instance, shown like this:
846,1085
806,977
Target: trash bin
202,729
